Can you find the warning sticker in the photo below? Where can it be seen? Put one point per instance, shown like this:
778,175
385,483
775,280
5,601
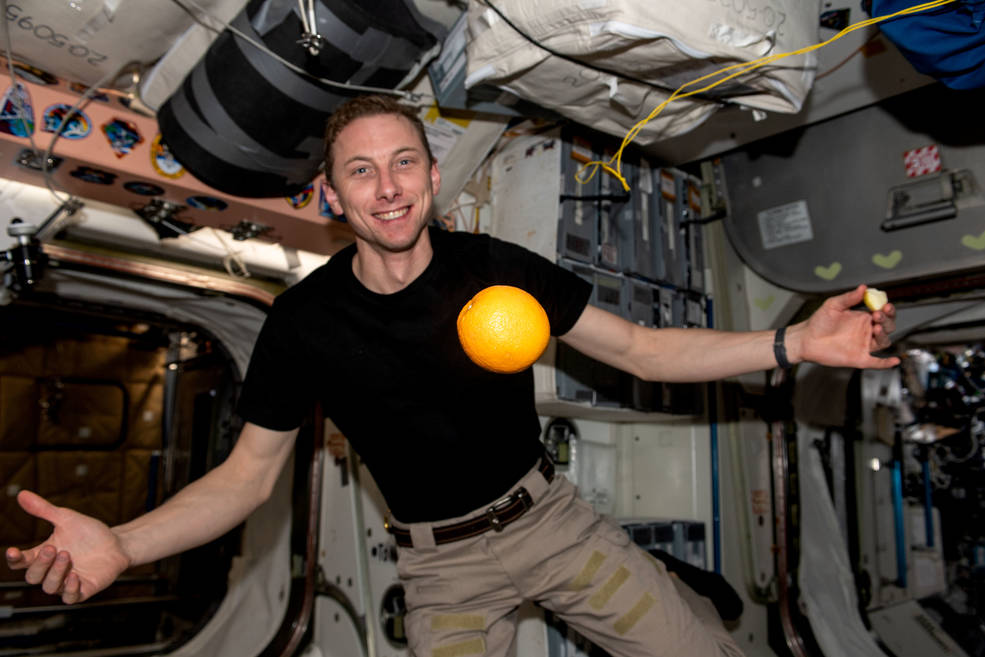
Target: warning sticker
921,161
785,224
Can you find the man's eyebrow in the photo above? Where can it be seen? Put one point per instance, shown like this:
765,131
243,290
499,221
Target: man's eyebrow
409,149
400,151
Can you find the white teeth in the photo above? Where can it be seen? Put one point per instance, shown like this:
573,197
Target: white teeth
391,215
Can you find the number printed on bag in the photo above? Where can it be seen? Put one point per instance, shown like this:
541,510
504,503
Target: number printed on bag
770,17
48,35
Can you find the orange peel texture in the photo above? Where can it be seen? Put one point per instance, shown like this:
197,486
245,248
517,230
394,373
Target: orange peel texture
503,329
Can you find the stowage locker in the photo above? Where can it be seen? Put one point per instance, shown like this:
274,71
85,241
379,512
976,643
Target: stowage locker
674,257
583,379
694,236
616,223
578,215
647,233
679,226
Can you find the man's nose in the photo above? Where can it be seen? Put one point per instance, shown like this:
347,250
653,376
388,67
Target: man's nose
387,185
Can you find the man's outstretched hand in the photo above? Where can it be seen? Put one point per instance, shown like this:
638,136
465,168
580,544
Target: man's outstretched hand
80,558
838,336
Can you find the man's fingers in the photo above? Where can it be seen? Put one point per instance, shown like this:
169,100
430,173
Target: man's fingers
21,559
883,323
16,560
55,578
37,570
72,592
882,363
889,318
38,506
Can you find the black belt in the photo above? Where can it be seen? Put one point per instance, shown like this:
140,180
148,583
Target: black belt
497,516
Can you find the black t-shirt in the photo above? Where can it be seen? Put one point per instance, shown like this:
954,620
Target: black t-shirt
440,435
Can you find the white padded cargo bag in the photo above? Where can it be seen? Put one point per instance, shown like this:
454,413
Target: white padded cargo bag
88,41
659,43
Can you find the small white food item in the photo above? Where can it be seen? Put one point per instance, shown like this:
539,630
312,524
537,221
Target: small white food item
874,299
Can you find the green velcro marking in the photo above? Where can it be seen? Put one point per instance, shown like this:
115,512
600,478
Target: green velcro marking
609,588
398,627
458,622
584,578
627,622
476,646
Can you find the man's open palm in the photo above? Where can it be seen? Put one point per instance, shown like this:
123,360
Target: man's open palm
80,558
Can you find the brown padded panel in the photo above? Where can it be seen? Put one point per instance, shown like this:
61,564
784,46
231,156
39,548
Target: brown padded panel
19,412
84,414
88,482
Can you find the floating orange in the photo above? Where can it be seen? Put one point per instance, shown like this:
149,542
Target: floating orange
503,329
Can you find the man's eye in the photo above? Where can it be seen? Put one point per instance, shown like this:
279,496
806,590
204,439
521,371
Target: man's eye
358,171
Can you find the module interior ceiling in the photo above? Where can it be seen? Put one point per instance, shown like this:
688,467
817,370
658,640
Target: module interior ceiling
161,42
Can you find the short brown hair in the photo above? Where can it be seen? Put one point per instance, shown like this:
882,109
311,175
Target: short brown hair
363,106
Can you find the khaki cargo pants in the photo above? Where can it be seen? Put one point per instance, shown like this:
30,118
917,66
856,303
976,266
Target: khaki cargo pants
462,596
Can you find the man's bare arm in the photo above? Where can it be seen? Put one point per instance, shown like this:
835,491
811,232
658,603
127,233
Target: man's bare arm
83,556
834,335
212,505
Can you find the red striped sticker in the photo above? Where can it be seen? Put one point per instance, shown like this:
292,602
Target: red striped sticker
921,161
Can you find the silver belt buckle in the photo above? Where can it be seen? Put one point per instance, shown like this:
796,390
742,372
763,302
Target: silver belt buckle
491,512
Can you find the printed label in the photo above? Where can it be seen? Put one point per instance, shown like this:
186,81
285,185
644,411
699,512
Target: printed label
785,225
581,150
694,197
667,186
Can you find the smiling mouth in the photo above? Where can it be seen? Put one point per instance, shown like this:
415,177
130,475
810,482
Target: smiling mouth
392,214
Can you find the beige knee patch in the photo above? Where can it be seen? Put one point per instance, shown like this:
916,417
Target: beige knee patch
584,578
609,589
642,606
476,646
458,622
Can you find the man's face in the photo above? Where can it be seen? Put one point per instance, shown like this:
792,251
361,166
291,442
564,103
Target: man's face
382,182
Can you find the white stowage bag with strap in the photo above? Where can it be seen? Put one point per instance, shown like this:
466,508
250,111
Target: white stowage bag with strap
657,44
90,41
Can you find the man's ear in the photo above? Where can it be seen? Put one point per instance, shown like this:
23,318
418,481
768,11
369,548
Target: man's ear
333,199
435,178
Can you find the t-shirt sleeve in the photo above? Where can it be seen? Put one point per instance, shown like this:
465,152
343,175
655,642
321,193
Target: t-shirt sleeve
561,292
276,392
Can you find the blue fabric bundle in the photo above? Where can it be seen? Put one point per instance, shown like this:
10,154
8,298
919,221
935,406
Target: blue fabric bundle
947,43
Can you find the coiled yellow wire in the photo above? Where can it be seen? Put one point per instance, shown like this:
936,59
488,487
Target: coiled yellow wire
739,69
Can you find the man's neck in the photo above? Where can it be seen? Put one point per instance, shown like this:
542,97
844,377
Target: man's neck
386,272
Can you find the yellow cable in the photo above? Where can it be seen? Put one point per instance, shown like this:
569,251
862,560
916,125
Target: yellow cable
740,69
